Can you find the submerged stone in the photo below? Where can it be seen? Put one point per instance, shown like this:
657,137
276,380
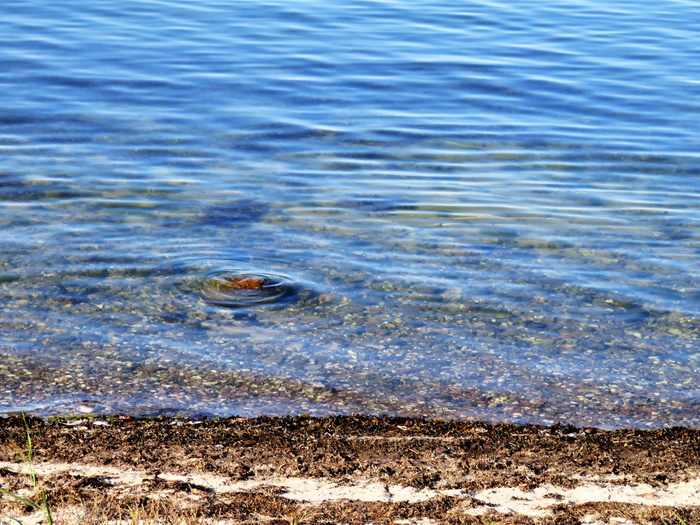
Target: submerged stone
240,289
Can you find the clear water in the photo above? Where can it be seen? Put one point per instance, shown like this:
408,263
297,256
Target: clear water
483,209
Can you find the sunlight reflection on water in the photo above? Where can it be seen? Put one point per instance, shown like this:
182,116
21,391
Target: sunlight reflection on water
476,213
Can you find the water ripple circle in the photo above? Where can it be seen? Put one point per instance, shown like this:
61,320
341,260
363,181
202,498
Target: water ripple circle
235,288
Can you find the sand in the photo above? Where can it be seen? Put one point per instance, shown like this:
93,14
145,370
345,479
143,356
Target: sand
354,469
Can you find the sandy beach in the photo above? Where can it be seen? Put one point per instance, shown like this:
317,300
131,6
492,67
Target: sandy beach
355,469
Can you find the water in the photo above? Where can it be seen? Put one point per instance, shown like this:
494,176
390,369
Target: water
485,210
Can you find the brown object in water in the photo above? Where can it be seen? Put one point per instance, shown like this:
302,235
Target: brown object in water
244,283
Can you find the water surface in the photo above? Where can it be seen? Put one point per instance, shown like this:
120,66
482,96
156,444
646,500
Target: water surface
485,210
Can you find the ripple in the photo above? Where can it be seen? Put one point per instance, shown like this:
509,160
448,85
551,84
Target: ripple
234,288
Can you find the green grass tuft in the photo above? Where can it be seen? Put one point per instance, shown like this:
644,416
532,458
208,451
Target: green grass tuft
681,521
39,492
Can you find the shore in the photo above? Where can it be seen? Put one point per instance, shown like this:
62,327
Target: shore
354,469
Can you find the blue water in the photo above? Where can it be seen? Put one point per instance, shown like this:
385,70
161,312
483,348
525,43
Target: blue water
486,210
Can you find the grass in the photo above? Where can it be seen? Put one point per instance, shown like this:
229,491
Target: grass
681,521
39,492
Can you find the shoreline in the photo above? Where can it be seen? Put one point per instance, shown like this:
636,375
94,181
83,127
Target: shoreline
354,469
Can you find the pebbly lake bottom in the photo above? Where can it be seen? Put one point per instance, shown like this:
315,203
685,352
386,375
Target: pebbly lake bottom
490,213
323,353
517,328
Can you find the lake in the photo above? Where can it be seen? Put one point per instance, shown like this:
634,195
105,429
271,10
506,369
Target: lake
474,210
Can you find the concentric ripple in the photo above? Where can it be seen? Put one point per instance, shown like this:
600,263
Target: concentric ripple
237,289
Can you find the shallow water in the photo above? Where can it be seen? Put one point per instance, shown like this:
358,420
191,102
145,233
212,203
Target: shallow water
485,211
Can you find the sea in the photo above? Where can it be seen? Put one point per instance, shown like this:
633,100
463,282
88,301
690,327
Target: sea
472,210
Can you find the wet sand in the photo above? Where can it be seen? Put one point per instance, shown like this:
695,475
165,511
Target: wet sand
355,469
